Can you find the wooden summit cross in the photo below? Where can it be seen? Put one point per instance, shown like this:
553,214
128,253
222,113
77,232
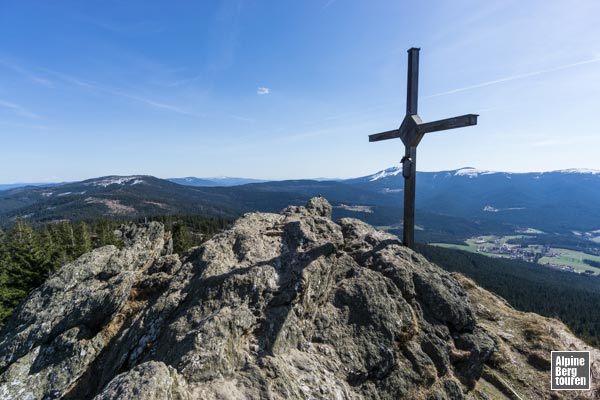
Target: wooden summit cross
411,132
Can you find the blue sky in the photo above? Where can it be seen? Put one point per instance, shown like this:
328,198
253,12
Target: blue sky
291,89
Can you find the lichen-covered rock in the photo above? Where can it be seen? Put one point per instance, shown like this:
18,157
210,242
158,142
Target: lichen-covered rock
62,327
280,306
148,381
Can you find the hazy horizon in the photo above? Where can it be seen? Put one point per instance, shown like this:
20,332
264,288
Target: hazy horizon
584,170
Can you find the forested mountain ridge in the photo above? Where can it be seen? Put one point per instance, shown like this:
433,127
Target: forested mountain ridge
553,202
130,196
215,181
547,217
140,195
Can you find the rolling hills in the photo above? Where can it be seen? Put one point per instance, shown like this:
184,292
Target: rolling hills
451,205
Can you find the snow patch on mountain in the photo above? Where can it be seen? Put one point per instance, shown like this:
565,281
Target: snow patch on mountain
117,180
393,171
489,208
356,208
472,172
580,171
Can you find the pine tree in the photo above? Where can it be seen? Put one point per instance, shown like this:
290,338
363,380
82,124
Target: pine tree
3,265
105,234
182,239
27,254
83,239
3,251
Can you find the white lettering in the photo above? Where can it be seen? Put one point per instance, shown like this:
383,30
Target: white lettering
570,380
566,371
569,361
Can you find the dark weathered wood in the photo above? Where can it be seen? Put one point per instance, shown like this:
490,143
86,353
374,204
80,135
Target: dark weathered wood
410,186
412,87
411,132
393,134
449,123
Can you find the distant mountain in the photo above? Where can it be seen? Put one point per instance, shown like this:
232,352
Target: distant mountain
8,186
139,195
556,201
450,204
92,198
225,181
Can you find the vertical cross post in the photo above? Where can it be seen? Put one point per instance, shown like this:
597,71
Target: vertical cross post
412,85
410,152
410,190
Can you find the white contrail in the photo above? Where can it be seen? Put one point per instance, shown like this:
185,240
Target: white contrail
26,73
98,87
18,109
514,77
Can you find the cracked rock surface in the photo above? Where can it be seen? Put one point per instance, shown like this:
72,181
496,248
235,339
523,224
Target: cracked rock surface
280,306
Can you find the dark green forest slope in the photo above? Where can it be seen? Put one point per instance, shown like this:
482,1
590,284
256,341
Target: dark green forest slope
572,298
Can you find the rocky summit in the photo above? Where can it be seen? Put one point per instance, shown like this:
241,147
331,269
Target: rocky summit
280,306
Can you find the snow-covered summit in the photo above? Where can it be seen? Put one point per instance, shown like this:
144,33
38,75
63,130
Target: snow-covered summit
117,180
393,171
472,172
467,171
580,171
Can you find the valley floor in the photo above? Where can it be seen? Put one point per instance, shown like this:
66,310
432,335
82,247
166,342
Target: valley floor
552,257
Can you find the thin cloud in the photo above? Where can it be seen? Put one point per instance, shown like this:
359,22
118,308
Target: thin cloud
141,27
25,126
120,27
305,135
549,141
514,77
263,90
26,73
241,118
140,99
184,82
150,102
330,2
17,109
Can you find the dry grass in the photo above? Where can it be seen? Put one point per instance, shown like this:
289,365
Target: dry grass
521,365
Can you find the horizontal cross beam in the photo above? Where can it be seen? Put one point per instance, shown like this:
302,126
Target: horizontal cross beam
393,134
425,127
449,123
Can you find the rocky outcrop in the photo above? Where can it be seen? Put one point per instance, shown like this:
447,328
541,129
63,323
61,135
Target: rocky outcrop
289,305
520,368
